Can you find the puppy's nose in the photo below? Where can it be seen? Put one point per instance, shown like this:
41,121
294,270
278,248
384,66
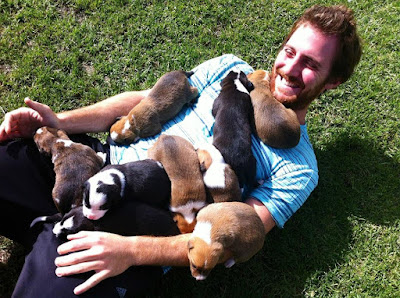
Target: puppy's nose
91,216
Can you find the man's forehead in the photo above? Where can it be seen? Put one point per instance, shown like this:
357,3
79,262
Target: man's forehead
312,43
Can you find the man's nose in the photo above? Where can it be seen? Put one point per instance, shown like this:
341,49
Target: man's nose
292,67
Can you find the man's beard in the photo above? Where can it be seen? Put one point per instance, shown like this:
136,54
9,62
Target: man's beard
300,101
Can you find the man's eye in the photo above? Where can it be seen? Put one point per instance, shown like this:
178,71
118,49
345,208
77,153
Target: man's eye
311,65
289,52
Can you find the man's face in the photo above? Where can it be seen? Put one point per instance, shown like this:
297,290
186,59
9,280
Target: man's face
302,67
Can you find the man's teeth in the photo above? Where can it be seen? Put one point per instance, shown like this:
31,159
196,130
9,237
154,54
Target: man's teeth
287,83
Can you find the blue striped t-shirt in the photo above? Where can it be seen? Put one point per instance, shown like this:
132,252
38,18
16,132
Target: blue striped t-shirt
286,176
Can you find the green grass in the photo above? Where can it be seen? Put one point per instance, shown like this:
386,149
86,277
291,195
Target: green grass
345,240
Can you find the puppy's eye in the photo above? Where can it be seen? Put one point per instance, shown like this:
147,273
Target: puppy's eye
194,266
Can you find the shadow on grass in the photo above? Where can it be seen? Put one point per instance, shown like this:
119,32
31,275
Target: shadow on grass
356,180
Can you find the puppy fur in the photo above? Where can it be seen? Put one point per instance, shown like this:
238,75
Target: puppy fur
234,119
164,101
181,163
144,180
276,125
74,163
128,219
220,180
228,231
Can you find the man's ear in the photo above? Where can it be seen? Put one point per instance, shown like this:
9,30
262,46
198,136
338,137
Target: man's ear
332,84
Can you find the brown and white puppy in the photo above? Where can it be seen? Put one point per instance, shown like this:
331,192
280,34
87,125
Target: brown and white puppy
276,125
219,178
180,161
171,92
234,121
74,163
229,232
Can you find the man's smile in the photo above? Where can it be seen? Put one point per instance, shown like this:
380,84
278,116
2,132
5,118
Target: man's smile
286,86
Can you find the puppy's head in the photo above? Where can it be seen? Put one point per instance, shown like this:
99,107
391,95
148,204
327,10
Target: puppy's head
245,81
101,192
259,78
203,257
71,223
46,136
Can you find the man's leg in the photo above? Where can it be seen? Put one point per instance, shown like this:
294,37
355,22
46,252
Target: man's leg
26,181
38,277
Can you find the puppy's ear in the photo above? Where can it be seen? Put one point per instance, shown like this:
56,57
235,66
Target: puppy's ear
217,253
190,244
85,194
250,86
62,134
203,166
245,81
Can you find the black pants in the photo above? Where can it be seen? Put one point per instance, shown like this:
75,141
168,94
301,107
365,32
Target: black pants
26,181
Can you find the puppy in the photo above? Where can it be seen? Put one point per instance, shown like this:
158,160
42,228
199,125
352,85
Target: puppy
234,119
219,178
181,163
276,125
143,180
164,101
74,163
128,219
230,229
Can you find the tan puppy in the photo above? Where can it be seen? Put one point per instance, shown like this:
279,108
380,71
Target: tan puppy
171,92
276,125
219,178
188,195
230,229
74,163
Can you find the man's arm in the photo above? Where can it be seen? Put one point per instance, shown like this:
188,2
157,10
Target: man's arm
263,213
109,254
23,122
100,116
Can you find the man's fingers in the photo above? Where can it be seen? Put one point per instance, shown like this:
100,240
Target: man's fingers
79,235
42,109
78,268
75,258
91,282
75,244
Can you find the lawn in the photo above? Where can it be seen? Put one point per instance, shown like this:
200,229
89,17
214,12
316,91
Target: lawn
345,240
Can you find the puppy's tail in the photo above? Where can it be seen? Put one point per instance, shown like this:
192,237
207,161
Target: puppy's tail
188,74
44,219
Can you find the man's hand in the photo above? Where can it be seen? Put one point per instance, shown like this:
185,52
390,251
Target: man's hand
106,254
23,122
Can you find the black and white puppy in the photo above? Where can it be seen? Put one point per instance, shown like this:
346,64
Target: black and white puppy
144,180
234,121
127,219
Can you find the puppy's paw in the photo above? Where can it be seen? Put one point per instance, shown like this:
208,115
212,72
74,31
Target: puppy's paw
122,131
229,263
103,156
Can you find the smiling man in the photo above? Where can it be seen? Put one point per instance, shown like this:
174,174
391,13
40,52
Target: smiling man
319,53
